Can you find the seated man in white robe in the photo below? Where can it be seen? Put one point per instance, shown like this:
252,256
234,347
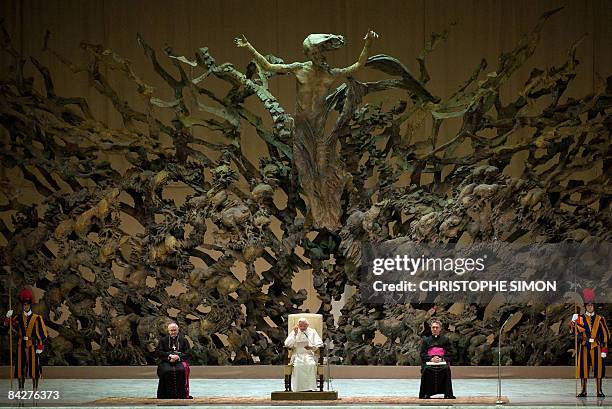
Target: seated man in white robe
304,342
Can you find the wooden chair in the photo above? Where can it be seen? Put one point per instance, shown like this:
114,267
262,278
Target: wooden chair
315,321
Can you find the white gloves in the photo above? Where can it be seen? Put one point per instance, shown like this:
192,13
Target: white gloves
9,313
38,351
603,355
574,317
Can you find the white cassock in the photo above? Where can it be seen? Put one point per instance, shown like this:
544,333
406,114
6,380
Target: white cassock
304,374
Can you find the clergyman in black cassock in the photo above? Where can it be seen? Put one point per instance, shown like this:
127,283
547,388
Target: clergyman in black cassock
436,353
173,369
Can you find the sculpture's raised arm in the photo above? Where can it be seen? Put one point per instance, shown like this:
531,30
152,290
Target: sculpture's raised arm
242,42
363,57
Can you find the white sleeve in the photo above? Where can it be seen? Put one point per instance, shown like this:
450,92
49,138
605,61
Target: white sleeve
315,339
290,341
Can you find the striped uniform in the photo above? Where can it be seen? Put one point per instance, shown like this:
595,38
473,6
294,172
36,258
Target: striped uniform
32,333
593,337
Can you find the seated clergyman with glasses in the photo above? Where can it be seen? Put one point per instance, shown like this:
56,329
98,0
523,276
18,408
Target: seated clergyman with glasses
173,351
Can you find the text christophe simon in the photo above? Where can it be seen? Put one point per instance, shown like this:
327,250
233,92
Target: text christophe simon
458,266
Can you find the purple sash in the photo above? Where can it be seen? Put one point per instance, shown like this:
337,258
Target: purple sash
433,351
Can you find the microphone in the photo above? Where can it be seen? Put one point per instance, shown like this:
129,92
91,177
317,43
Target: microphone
507,319
499,387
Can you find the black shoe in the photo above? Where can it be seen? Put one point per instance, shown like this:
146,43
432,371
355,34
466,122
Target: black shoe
600,395
424,397
449,397
581,395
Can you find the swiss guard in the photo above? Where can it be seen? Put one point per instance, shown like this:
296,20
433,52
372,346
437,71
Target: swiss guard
32,333
592,333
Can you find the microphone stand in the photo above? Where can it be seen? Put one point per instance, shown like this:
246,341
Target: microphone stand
10,326
327,369
499,387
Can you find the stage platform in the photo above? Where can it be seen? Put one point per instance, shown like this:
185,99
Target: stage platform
359,401
352,393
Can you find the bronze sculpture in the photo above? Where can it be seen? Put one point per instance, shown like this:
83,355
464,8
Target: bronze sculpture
110,285
320,171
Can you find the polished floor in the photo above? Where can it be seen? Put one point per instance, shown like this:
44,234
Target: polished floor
520,392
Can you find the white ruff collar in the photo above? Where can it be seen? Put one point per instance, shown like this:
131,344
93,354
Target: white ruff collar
27,314
590,314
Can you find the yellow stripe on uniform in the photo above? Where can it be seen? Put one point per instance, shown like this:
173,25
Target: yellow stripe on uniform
606,332
43,326
31,326
585,361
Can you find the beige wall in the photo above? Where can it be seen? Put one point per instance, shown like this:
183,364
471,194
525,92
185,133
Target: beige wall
484,29
274,372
